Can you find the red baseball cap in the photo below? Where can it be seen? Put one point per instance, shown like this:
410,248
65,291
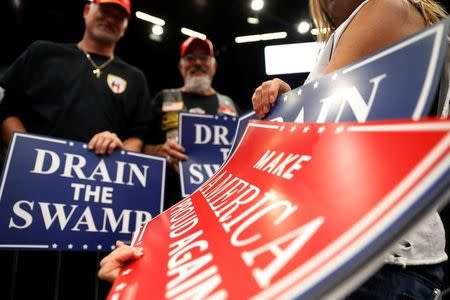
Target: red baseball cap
125,4
204,43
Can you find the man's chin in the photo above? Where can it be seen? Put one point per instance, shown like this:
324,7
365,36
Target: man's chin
106,38
105,35
198,74
197,86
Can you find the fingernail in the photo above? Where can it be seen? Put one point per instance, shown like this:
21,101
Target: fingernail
139,251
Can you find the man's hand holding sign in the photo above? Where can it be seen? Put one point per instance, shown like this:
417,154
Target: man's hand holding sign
94,200
207,140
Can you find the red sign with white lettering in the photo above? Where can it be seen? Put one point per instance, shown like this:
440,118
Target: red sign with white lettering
295,211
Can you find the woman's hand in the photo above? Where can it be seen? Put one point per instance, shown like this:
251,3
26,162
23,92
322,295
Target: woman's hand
110,265
266,94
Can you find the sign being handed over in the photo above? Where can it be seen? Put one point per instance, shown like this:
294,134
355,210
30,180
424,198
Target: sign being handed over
311,207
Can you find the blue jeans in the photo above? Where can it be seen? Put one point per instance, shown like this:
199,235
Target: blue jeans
394,282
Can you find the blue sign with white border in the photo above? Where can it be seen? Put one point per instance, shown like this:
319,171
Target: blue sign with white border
207,140
57,195
374,88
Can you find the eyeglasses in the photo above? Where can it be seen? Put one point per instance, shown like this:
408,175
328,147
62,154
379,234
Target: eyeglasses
192,58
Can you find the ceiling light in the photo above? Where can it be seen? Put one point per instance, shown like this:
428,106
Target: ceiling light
257,5
157,30
251,20
303,27
260,37
273,36
248,38
190,32
150,18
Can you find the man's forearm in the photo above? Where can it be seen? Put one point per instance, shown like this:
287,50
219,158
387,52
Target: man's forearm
155,150
133,144
10,125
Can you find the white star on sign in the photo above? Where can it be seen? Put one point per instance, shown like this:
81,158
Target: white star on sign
127,271
113,247
281,128
294,128
70,246
316,85
99,247
339,129
121,286
306,129
321,129
85,246
54,246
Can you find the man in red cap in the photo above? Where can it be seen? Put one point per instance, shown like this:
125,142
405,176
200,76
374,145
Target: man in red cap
125,4
92,78
80,92
198,66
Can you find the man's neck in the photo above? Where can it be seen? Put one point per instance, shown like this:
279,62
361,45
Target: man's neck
208,92
88,45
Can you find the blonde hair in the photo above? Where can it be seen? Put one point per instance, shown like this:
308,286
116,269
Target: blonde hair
431,11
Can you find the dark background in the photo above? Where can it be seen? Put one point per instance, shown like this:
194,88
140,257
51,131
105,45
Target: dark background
240,66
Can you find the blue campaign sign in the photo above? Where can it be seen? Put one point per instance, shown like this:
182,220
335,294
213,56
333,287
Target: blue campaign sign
397,82
57,195
207,140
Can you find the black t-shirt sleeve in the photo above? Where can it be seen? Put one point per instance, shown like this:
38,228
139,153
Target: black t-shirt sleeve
155,135
140,120
15,82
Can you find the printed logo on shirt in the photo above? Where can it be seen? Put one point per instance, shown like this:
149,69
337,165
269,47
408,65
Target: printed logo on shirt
169,121
169,106
172,134
197,110
227,110
116,84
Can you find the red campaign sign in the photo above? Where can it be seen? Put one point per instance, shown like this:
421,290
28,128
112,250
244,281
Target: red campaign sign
299,210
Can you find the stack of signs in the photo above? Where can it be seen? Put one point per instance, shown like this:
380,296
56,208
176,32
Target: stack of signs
303,209
372,89
57,195
311,207
375,88
207,140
